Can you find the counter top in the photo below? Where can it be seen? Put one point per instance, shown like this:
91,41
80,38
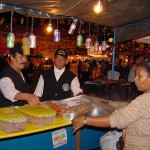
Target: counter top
59,122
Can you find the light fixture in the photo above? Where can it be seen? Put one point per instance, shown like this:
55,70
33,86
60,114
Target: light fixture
49,28
98,7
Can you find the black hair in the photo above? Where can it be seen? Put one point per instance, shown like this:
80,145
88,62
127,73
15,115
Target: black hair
145,64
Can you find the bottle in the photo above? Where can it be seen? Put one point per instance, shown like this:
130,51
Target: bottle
10,40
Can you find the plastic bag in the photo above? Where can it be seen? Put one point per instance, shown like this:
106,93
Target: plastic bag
108,141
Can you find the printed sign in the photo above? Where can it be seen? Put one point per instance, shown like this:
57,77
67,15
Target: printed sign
59,138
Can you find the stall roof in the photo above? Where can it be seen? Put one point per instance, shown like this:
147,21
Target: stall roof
116,13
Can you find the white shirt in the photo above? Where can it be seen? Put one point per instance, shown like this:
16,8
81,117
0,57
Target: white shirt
8,89
131,75
75,85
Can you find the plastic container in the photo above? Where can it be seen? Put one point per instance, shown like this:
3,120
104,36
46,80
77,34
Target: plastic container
38,115
11,120
74,106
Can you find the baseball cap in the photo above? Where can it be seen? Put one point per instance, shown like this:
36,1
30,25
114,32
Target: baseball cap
17,49
61,52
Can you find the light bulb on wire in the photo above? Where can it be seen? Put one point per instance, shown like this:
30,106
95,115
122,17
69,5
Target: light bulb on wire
49,28
98,7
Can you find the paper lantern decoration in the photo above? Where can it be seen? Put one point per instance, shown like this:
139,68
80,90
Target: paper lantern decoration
96,46
26,47
72,27
79,40
104,45
56,35
88,43
10,40
32,41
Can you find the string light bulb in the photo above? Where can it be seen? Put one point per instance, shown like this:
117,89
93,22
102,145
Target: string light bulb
98,7
49,28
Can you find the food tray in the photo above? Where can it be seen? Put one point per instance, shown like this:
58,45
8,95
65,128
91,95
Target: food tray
11,120
38,115
72,107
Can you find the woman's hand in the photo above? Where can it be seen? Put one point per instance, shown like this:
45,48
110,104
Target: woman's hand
78,123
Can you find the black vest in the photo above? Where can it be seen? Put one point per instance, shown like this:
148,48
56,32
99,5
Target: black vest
57,90
19,83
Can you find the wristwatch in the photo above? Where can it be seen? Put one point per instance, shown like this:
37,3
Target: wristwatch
85,121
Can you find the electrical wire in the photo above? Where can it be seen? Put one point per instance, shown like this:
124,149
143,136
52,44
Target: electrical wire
71,7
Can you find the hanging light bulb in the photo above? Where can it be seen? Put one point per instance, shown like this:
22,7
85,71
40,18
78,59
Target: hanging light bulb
49,28
98,7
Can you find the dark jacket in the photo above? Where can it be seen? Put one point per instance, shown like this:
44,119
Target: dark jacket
19,83
57,90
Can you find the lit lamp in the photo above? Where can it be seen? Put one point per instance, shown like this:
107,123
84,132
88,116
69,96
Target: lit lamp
98,7
49,28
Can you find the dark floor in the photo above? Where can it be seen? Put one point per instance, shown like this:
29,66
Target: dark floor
97,148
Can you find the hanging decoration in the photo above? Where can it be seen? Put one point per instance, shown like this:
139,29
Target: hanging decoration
22,20
88,40
96,44
32,37
25,42
57,34
10,36
2,20
73,26
80,37
104,43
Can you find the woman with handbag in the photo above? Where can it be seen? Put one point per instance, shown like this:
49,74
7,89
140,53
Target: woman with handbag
135,117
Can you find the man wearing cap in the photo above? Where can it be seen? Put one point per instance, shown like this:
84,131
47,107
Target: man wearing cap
13,87
58,82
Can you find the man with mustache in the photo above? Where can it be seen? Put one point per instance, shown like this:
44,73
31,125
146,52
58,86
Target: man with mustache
13,87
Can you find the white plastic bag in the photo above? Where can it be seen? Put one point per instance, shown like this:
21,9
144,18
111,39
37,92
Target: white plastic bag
108,140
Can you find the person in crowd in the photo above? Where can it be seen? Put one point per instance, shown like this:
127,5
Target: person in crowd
117,69
13,88
134,118
57,82
136,60
85,68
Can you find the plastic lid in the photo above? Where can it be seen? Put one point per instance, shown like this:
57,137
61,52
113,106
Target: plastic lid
36,110
11,114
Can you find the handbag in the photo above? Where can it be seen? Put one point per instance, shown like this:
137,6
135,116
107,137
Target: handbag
120,144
